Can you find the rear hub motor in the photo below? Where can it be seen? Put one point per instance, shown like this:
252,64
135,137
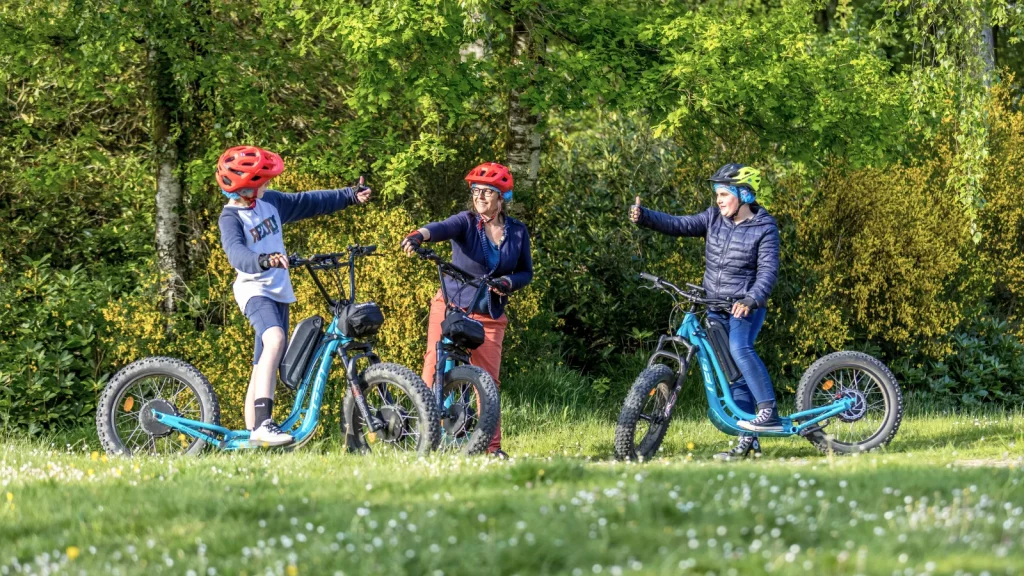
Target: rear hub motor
150,424
859,408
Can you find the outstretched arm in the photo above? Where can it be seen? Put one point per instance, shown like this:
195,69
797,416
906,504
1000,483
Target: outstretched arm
302,205
691,225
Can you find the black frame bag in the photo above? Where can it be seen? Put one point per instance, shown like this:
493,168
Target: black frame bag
462,330
360,320
303,344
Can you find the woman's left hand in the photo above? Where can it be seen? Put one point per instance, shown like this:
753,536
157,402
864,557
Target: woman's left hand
741,308
506,287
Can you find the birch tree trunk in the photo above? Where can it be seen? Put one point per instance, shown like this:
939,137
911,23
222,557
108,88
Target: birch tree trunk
168,186
523,147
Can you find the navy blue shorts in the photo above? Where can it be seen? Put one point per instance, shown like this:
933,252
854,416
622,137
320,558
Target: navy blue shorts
264,313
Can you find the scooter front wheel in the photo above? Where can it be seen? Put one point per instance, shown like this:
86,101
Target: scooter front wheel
401,405
643,422
877,409
124,417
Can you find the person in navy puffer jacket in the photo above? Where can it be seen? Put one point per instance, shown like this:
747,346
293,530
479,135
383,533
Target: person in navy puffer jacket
742,265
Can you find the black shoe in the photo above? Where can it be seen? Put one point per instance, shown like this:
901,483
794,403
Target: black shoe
746,447
767,420
500,454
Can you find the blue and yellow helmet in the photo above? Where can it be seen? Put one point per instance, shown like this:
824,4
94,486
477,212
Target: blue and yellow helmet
743,180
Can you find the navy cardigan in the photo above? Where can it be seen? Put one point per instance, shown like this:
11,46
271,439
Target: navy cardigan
514,260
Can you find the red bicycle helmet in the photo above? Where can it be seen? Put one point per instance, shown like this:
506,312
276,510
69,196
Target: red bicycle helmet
491,174
247,167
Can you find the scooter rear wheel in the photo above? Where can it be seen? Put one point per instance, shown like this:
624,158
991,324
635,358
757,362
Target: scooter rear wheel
878,402
124,417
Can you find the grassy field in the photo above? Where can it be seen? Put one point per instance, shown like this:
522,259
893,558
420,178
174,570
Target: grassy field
945,498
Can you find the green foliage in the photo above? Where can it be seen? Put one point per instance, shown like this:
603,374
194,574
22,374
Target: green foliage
724,72
985,365
50,360
849,125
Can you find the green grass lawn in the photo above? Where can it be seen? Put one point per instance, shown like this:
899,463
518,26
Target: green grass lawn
945,498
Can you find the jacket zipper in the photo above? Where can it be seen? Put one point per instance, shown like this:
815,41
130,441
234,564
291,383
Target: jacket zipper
728,241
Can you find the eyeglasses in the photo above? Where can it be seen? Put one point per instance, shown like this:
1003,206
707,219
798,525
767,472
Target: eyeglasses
479,191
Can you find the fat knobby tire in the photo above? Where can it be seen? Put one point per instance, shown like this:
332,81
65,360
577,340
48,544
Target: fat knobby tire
413,386
153,366
648,380
880,372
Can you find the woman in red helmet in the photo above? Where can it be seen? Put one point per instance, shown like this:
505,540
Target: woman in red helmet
486,242
252,234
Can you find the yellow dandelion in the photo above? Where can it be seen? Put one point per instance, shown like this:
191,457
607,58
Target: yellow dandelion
292,570
72,552
689,445
90,472
95,455
10,497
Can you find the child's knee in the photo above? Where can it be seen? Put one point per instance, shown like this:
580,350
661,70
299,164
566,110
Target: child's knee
273,338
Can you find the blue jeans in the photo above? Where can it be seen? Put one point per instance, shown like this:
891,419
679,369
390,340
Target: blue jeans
754,390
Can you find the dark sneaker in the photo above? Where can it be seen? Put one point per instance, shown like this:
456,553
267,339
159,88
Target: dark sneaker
500,454
746,447
767,420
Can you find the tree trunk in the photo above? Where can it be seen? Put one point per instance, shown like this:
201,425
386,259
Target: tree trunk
168,187
523,147
988,53
825,16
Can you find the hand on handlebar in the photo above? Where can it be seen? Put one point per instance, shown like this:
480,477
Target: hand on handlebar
275,260
741,308
412,242
501,286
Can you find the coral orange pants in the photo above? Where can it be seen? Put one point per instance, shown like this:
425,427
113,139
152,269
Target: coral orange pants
487,356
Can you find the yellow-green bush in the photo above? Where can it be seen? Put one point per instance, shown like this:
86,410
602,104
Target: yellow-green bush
877,252
1002,217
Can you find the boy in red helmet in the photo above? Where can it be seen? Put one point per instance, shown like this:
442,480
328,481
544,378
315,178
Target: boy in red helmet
485,243
253,238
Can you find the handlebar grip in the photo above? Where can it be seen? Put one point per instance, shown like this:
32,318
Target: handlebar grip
649,277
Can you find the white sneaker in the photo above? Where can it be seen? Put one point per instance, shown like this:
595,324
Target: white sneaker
268,434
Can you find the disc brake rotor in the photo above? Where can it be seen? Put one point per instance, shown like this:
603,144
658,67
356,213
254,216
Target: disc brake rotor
859,408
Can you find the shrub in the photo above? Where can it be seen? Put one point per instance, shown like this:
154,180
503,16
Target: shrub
51,367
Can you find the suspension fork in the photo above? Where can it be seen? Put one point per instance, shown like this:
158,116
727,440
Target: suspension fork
440,367
682,363
351,372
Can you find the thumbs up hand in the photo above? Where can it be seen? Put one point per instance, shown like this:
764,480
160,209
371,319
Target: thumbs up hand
634,211
362,191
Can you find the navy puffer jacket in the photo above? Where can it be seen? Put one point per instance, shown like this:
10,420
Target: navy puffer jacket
742,259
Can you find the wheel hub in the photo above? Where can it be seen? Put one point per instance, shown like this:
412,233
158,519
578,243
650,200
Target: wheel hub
456,420
859,408
394,419
150,424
